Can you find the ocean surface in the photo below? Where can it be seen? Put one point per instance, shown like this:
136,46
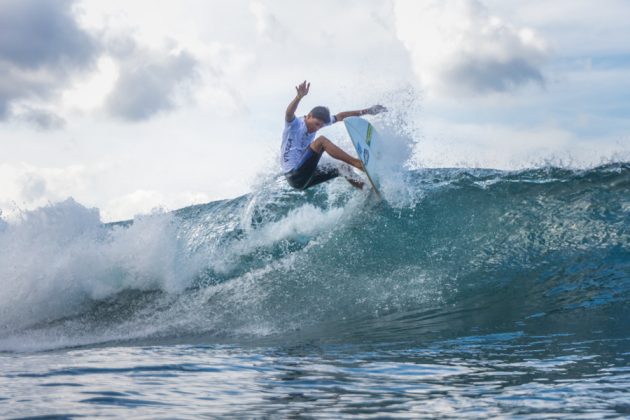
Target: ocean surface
466,293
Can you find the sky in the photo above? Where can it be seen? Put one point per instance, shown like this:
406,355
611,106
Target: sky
135,106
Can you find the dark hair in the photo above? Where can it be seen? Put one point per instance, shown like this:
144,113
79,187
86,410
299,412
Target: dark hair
321,113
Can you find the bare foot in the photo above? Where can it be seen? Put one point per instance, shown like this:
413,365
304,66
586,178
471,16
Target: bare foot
356,183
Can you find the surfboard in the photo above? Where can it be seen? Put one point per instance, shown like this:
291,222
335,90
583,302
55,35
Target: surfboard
367,142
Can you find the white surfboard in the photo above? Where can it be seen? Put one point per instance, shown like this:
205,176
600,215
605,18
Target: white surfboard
369,147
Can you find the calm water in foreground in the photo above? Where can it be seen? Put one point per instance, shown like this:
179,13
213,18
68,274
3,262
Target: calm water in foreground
504,375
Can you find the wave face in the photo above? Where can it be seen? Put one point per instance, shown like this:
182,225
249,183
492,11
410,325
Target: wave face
450,253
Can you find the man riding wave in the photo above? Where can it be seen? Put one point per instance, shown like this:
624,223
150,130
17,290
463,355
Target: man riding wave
301,151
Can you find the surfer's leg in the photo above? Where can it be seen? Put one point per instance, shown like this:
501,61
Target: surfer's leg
300,177
327,172
307,173
322,144
346,172
323,173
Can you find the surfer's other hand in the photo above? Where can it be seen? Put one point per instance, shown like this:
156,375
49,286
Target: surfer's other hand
376,109
302,89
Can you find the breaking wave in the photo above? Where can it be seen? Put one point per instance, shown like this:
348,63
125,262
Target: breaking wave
541,251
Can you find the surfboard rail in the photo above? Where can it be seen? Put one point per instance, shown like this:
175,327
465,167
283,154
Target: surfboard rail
367,143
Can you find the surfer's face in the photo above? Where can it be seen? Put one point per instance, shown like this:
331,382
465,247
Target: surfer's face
313,124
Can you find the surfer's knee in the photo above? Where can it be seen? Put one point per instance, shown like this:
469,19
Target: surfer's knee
320,144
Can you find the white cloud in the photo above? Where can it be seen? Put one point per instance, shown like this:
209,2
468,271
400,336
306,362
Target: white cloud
494,145
90,93
33,187
136,202
573,27
25,187
267,24
458,47
150,82
39,118
149,201
41,48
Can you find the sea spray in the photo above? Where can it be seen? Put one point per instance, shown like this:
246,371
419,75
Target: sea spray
58,259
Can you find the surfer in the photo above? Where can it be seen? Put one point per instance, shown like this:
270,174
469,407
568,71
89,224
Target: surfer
301,151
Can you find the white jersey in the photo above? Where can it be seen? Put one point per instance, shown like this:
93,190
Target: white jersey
295,140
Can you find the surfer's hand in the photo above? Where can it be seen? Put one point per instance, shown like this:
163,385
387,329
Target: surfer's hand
376,109
302,89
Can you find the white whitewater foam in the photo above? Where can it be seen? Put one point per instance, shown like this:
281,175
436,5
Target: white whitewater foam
60,257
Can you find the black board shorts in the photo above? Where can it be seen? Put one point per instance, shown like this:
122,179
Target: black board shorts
306,173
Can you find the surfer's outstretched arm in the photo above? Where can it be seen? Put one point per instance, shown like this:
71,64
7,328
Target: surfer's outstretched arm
373,110
302,91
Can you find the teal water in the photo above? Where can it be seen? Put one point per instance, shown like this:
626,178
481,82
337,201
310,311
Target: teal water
467,293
